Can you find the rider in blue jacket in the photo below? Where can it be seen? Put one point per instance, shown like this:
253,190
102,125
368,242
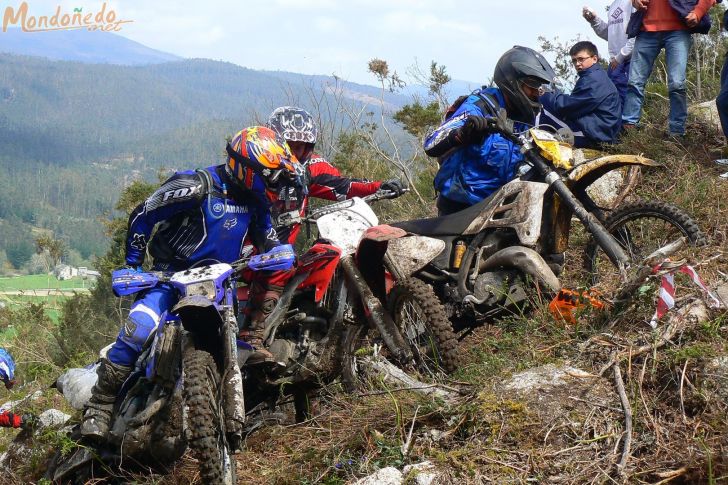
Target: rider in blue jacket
201,217
475,161
593,110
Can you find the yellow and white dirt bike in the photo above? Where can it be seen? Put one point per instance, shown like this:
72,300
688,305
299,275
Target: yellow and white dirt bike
481,261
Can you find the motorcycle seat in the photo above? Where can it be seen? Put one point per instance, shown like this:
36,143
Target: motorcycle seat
449,225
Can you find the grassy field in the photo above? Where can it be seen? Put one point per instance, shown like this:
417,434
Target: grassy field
19,290
36,282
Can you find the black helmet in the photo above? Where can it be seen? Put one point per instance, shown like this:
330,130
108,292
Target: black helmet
518,66
293,124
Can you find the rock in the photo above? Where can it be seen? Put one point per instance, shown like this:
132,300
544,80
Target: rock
713,379
25,446
722,292
707,112
423,473
605,189
52,417
563,396
10,405
544,377
384,476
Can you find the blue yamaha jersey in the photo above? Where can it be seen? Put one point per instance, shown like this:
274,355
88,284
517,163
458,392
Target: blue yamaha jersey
197,223
472,172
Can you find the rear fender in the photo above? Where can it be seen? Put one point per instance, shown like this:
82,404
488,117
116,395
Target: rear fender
412,253
587,173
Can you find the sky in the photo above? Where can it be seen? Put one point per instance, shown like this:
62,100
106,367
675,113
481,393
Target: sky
341,36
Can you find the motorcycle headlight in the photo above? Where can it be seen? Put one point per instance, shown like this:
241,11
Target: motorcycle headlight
202,288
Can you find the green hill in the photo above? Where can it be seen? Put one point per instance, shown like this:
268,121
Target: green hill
72,134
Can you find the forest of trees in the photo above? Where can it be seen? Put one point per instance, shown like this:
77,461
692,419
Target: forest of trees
72,135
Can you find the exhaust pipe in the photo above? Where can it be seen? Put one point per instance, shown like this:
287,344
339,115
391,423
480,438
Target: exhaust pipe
524,259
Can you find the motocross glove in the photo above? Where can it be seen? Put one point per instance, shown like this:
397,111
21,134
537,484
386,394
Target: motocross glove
28,421
474,129
393,185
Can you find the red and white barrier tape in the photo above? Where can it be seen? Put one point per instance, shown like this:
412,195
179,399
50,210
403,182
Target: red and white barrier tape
666,295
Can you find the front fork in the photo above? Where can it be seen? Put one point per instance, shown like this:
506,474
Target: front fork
232,379
606,241
376,313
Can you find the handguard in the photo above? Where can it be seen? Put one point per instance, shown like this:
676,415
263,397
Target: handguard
128,281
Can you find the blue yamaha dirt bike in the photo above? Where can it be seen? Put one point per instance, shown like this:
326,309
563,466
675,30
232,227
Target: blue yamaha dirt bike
186,389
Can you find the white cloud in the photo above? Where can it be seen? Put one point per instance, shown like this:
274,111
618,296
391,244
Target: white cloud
326,36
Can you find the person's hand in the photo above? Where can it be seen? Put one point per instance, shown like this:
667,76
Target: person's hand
588,14
640,4
613,63
475,127
692,19
393,185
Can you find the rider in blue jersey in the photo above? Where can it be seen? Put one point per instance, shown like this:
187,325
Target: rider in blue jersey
202,217
474,160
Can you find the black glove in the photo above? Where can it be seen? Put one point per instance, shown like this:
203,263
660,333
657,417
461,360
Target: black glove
501,123
475,128
28,421
393,185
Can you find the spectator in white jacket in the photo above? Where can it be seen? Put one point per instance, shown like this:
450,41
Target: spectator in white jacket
614,31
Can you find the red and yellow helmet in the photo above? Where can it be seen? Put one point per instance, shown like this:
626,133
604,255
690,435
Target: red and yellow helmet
260,161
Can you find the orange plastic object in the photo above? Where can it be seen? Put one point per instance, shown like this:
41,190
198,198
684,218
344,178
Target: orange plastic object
567,303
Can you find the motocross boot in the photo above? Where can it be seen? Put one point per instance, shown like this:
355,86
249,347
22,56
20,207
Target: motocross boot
97,415
262,300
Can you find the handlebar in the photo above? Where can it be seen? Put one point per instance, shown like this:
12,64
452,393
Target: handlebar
291,218
331,208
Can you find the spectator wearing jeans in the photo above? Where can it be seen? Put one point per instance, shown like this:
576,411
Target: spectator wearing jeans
662,27
722,103
614,31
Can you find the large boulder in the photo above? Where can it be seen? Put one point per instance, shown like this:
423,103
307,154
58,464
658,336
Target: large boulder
708,113
563,396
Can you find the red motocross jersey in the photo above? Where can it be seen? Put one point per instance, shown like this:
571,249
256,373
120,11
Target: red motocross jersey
325,182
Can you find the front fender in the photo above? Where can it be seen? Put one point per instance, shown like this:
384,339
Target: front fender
198,314
585,174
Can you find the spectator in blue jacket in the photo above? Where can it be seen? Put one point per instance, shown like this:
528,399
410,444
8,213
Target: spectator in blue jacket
722,103
593,108
474,160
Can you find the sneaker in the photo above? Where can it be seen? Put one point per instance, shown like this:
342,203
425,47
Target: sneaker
721,161
724,176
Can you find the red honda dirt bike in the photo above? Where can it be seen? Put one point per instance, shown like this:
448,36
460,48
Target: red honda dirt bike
328,310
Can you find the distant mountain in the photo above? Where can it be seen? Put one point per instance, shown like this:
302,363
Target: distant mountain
73,132
81,45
